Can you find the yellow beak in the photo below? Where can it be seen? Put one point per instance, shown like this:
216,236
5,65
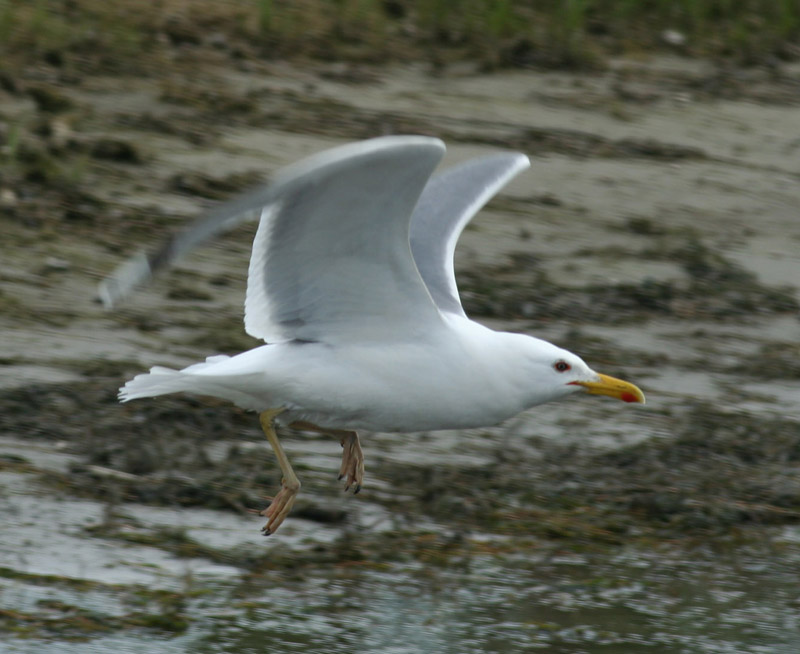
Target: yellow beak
613,387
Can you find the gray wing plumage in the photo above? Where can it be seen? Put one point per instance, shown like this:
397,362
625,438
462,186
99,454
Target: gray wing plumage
139,268
447,204
331,260
353,242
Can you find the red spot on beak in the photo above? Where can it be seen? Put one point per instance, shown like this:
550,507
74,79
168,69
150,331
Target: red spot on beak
628,397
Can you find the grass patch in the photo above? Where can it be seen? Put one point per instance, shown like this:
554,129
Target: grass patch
74,35
120,37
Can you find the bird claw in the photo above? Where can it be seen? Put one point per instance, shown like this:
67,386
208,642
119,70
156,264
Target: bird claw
352,469
278,509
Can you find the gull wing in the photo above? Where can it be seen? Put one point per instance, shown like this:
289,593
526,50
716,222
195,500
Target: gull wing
139,268
331,260
246,206
447,204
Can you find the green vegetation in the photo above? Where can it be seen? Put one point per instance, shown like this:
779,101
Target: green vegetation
550,32
89,34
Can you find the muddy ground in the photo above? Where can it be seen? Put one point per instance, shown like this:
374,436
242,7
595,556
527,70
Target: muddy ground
656,234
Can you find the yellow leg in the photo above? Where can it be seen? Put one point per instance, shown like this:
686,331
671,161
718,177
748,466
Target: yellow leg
282,503
352,468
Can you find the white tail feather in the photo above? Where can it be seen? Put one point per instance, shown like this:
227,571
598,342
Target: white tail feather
159,381
199,378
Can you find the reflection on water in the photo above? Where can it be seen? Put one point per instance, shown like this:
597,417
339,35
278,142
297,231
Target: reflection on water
709,602
672,600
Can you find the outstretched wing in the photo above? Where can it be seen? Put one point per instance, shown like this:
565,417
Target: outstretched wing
332,249
447,204
139,268
331,259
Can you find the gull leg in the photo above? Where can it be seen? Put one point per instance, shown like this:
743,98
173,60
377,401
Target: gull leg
282,503
352,468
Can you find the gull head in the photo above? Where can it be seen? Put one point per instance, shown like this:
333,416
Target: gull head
561,372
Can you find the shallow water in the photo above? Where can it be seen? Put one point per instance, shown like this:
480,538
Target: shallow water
441,591
567,603
631,601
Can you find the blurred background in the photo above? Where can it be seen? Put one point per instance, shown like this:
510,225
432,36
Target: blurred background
656,234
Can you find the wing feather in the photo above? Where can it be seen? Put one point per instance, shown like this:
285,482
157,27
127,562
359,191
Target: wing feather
331,259
447,204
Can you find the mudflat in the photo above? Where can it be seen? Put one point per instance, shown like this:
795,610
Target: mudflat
656,234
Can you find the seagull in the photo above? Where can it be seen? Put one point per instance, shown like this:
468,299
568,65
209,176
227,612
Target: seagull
351,286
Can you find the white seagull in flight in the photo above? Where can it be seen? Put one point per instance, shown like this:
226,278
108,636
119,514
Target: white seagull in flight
351,286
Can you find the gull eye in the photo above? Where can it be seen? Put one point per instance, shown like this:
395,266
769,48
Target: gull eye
561,366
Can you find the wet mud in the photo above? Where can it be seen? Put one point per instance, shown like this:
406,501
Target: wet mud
656,234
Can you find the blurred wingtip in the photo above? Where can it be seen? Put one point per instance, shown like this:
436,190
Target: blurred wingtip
117,286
